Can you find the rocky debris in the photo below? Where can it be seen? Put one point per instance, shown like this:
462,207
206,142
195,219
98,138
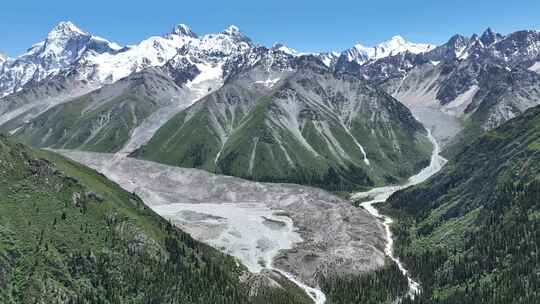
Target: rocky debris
336,236
264,280
76,199
137,241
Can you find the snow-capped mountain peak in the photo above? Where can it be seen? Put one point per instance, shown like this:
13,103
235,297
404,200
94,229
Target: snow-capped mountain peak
66,28
3,58
285,49
231,33
232,30
68,42
397,39
394,46
65,39
64,45
329,59
184,30
97,61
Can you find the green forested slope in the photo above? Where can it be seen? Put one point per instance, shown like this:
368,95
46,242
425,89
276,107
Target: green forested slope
471,233
383,286
68,235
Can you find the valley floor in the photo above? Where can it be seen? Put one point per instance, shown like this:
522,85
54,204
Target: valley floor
296,230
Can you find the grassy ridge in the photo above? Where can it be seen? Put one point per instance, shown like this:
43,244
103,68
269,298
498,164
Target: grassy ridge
73,125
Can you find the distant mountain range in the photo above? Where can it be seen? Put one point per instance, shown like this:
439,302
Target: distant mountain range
481,81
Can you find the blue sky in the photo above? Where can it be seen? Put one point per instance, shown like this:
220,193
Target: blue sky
304,25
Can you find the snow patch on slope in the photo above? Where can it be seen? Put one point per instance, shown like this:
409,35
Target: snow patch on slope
535,67
285,49
269,82
209,80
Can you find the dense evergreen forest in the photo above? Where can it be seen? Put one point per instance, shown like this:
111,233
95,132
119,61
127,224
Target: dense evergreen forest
471,234
497,262
381,286
69,235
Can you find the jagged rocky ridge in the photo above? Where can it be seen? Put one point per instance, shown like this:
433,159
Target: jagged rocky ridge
459,89
478,82
73,68
103,120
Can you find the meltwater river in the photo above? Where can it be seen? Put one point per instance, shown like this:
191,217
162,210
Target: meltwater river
381,194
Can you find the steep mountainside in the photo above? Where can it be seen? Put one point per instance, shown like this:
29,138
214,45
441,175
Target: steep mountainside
305,125
20,107
459,90
470,234
69,235
68,64
63,47
103,120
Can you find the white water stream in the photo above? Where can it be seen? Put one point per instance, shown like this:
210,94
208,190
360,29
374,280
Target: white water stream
315,294
381,194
